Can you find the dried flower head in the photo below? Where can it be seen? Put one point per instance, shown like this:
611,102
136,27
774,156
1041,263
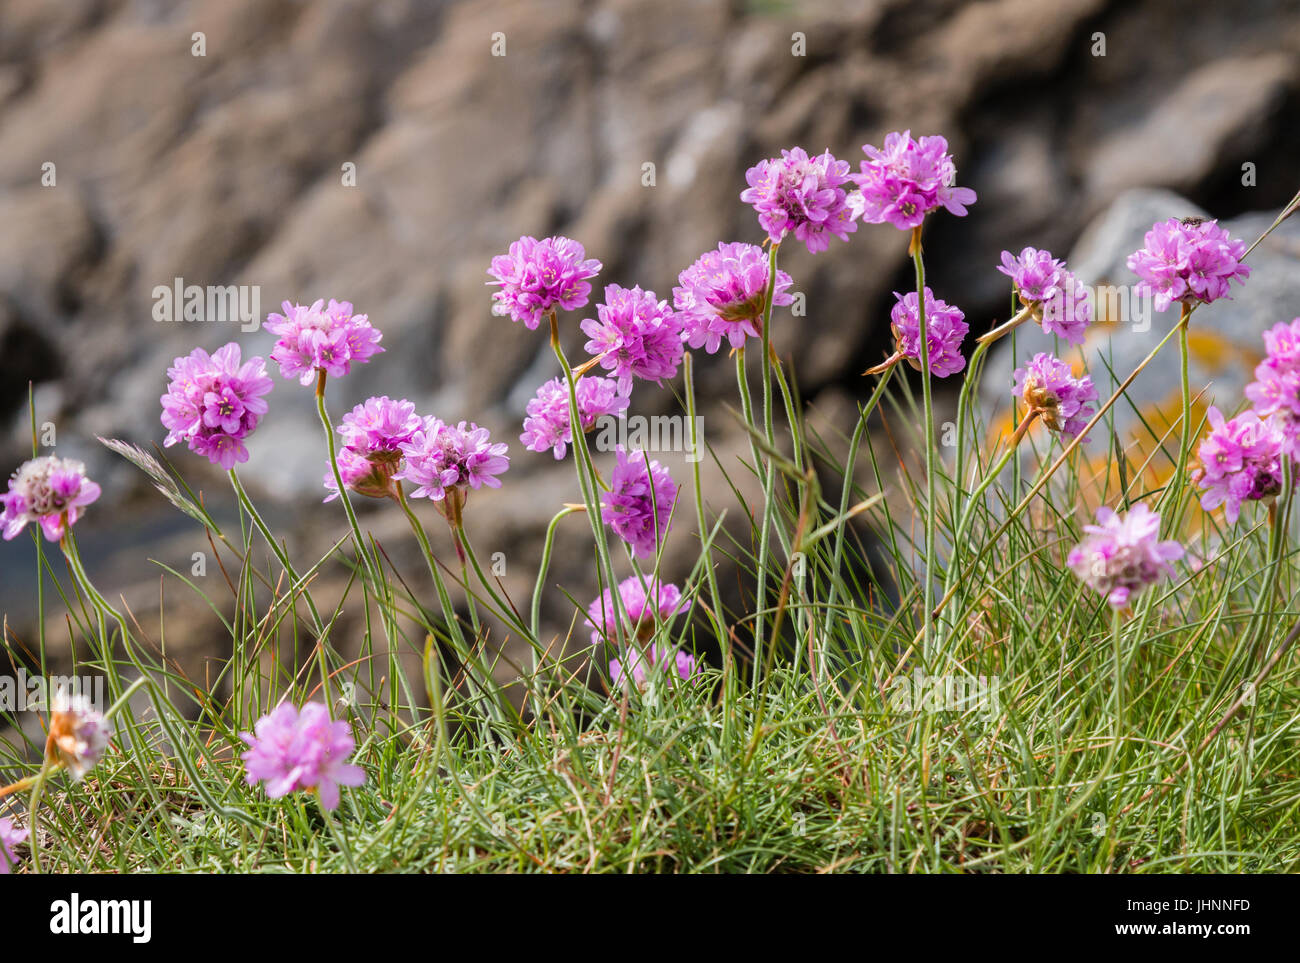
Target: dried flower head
78,734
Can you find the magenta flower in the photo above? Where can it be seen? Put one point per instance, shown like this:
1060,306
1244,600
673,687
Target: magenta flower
1187,261
291,750
945,329
907,179
1275,392
1048,386
321,337
538,276
1055,297
50,491
9,838
647,611
214,402
373,434
722,295
1240,461
639,504
636,334
441,458
672,662
1120,557
546,427
802,195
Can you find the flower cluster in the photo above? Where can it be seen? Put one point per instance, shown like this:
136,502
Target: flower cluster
78,735
539,276
648,603
9,838
291,749
907,179
636,335
801,195
640,502
672,662
723,296
49,491
443,458
1240,460
1275,392
547,426
321,338
944,326
1187,261
1120,557
213,402
1047,385
373,434
1053,295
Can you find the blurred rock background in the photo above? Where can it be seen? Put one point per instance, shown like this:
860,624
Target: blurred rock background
229,169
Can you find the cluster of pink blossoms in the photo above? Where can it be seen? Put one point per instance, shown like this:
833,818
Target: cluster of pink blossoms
1047,385
648,603
214,402
1187,260
442,458
1056,298
945,328
321,339
1240,460
9,838
636,335
640,502
1120,557
723,296
539,276
907,179
1275,392
674,663
547,426
373,434
291,750
49,491
801,195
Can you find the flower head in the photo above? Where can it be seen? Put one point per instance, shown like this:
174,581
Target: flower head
639,504
646,610
78,734
801,195
945,329
214,402
1055,296
373,434
1275,392
1047,385
1240,461
537,276
1187,261
674,663
50,491
321,337
546,427
291,749
636,334
722,295
907,179
1120,557
9,838
442,458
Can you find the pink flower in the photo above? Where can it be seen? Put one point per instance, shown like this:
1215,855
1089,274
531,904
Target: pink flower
906,179
1058,300
321,337
9,838
1240,461
639,504
291,750
1188,260
441,458
802,195
214,402
546,427
637,334
1275,392
78,734
647,611
672,662
538,276
1120,557
723,294
373,434
945,329
50,491
1047,385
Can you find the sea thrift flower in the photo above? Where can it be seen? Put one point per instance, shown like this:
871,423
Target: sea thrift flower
321,337
546,427
373,434
1275,392
907,179
1055,297
673,662
636,334
49,491
646,611
722,295
1188,260
639,505
802,195
1240,461
442,458
9,838
1120,557
945,329
538,276
78,735
214,402
1048,386
290,750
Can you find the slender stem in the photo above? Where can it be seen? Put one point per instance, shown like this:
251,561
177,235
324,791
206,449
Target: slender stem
769,474
363,556
1019,318
927,400
1174,495
34,816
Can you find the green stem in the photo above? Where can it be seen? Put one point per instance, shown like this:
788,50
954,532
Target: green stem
931,509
